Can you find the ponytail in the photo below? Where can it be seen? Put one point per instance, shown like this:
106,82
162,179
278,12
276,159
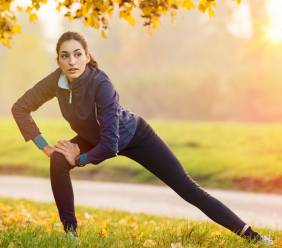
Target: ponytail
92,62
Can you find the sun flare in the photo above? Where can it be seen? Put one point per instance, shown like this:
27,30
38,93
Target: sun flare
274,32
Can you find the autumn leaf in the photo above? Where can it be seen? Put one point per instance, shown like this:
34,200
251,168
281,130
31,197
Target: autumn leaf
211,12
33,17
130,20
188,4
96,14
16,29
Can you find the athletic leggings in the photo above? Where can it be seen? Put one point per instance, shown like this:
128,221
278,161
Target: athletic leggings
149,150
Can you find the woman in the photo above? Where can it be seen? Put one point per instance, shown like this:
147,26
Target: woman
90,103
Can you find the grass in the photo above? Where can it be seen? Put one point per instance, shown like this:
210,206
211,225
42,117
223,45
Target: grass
32,224
221,155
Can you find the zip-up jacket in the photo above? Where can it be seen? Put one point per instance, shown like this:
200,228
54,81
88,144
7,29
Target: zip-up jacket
89,103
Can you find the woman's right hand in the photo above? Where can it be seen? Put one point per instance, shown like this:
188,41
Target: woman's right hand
48,150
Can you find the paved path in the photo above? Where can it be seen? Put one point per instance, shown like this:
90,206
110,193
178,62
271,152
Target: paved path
256,209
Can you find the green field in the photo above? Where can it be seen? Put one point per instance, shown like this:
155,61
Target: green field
224,155
28,224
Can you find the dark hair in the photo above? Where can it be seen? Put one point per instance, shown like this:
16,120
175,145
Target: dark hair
78,37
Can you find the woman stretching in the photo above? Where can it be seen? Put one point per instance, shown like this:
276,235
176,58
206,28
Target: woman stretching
90,103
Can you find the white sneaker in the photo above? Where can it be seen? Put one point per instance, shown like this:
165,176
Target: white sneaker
72,236
266,240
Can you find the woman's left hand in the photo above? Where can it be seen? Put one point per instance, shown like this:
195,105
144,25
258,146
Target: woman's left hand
69,150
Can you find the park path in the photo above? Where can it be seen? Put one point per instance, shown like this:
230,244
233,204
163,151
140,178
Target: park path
264,210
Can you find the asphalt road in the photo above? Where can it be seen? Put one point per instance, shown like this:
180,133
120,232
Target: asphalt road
264,210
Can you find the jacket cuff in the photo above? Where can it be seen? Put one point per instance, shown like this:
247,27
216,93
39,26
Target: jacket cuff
40,142
83,159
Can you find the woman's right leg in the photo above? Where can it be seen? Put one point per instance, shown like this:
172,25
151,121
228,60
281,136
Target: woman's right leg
62,186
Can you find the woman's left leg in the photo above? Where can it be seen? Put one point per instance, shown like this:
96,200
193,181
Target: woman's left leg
62,186
154,154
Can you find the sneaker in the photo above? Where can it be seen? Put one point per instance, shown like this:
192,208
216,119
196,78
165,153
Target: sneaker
73,236
265,240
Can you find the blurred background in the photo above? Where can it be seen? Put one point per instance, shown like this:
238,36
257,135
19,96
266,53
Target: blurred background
225,67
210,86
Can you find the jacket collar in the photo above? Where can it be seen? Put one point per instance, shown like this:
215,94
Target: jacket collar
65,84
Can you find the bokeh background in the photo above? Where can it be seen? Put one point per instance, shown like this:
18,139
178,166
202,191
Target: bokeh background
210,86
225,67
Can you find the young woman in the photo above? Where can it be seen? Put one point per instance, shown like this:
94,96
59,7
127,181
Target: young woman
90,103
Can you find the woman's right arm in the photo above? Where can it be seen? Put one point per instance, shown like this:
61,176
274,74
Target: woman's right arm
32,99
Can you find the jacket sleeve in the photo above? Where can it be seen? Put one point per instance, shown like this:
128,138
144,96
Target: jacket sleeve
108,110
32,99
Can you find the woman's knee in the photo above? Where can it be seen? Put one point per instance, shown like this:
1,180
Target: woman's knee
58,163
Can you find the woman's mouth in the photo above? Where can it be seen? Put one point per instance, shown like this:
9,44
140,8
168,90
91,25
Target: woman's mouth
72,70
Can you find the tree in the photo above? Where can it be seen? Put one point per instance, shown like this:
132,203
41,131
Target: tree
96,13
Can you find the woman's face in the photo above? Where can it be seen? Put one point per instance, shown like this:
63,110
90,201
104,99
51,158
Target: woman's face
72,59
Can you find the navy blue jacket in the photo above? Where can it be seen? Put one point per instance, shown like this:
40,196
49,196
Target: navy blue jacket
90,104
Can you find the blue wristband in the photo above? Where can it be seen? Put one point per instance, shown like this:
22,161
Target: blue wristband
40,142
83,159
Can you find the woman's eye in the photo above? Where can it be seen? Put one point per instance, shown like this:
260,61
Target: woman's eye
78,54
64,56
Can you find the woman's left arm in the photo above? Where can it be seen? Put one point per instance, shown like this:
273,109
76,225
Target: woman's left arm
108,110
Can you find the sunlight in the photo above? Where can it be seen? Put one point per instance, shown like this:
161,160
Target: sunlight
274,8
241,23
49,18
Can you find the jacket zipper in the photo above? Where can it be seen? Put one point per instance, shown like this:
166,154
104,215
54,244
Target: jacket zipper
70,96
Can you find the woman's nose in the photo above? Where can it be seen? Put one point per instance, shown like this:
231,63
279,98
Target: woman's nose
72,60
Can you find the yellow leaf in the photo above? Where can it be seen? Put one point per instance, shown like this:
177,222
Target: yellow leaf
58,7
188,4
211,12
33,17
104,232
93,21
28,10
109,12
19,8
16,28
122,14
103,34
5,42
202,8
130,20
155,22
70,18
85,11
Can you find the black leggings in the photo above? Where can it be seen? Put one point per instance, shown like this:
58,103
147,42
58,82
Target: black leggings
149,150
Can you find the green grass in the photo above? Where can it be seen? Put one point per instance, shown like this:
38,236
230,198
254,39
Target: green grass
215,154
32,224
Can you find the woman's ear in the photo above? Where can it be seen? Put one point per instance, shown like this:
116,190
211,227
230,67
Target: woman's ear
88,57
